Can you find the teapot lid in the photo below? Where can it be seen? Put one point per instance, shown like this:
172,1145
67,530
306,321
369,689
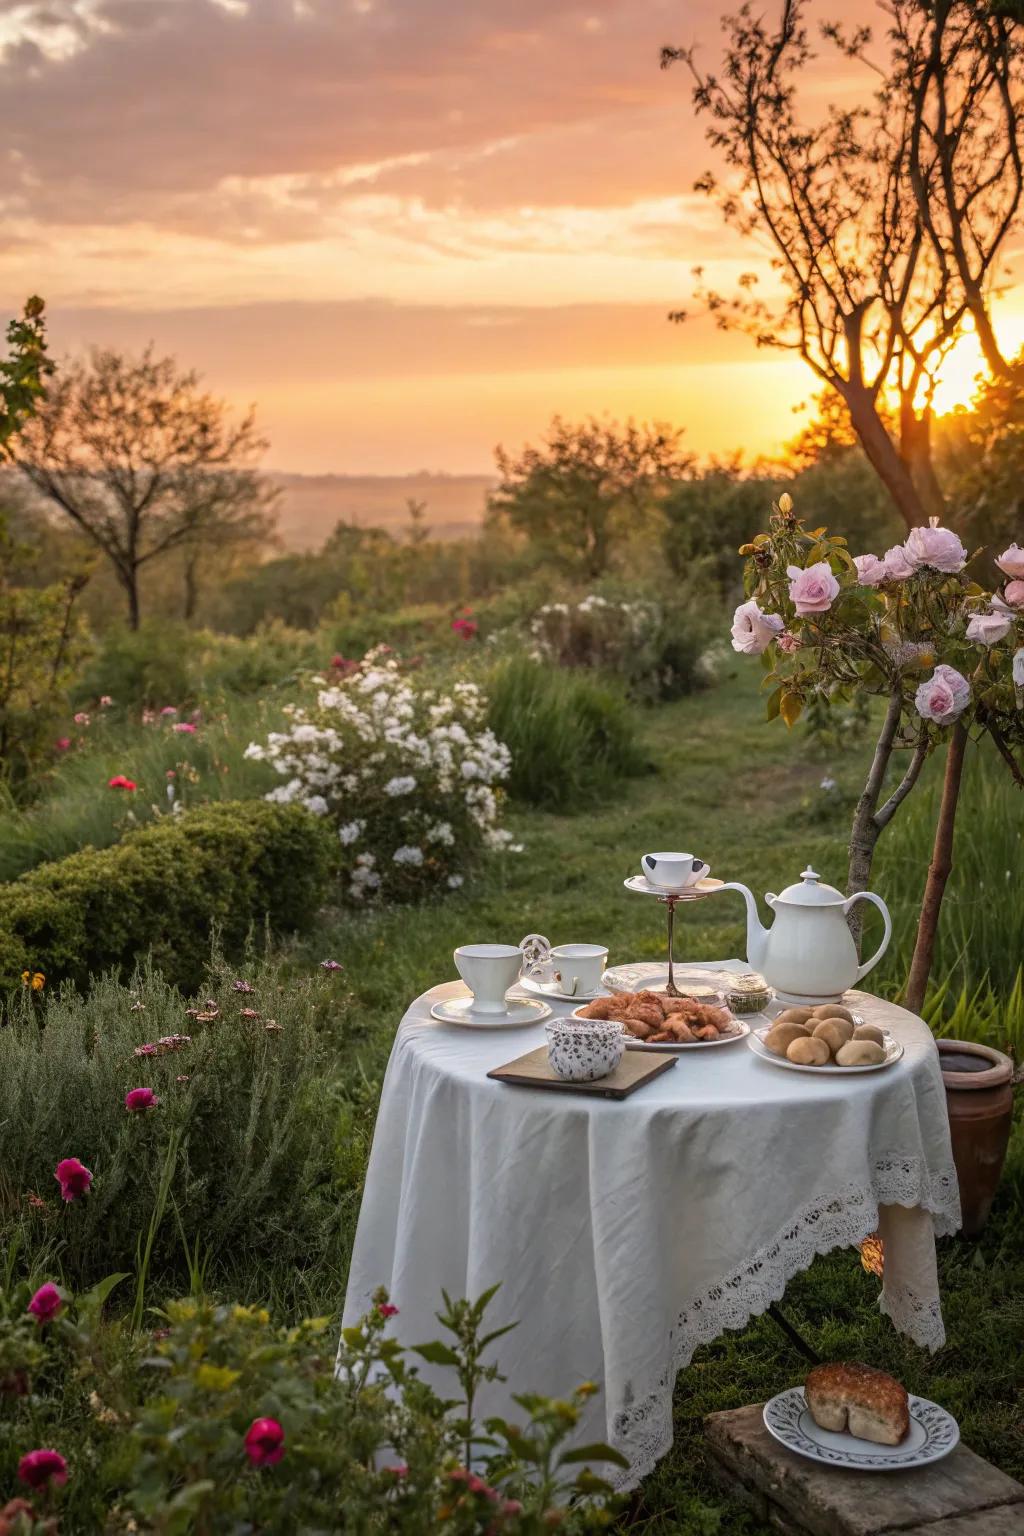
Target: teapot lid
810,892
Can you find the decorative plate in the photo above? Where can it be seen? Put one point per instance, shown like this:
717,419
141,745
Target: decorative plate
933,1434
739,1030
893,1052
519,1011
706,887
548,989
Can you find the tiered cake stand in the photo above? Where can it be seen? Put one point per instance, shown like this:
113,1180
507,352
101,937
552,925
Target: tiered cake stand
670,900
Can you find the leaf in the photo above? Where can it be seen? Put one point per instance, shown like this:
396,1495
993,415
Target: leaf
436,1353
595,1452
489,1338
101,1290
791,708
774,702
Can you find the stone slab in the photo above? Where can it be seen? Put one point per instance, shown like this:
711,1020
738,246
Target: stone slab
962,1495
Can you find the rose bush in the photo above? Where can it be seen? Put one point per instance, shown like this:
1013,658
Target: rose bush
409,775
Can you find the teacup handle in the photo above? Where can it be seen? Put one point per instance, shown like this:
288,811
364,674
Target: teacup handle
649,864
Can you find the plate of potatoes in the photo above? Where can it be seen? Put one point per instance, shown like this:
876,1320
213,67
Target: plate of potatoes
828,1038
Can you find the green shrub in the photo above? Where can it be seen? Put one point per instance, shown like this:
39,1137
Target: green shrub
572,737
227,1423
234,1171
165,889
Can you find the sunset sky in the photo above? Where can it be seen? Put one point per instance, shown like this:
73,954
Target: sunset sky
406,229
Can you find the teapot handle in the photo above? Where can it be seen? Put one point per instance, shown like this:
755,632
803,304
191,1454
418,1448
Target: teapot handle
880,951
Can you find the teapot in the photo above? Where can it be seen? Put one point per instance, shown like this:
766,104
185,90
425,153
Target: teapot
808,954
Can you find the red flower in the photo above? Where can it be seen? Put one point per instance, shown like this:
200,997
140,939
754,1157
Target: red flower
73,1177
63,743
120,782
467,628
264,1442
46,1303
140,1098
38,1468
385,1309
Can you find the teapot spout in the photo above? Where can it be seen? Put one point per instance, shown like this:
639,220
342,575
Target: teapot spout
757,934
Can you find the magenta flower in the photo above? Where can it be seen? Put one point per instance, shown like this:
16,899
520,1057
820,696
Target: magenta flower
385,1309
330,965
120,782
46,1303
73,1177
264,1442
63,743
140,1098
39,1468
168,709
184,728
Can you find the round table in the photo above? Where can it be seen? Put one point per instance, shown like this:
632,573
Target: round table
627,1233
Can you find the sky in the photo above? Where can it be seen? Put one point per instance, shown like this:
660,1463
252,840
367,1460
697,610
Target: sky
407,230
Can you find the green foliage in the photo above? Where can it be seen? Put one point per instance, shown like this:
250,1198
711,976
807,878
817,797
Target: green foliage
573,737
40,646
165,889
231,1173
228,1422
24,370
707,517
654,640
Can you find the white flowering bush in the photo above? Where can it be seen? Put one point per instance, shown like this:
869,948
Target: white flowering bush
410,774
654,651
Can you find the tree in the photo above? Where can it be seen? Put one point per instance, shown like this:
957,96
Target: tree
586,486
144,461
886,221
708,516
980,452
23,372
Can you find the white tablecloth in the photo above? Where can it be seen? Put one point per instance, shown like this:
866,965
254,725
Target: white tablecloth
625,1234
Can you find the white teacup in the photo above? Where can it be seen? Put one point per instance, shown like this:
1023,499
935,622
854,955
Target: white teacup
579,968
488,971
673,871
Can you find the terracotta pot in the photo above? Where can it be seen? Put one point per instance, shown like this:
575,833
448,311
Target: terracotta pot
979,1098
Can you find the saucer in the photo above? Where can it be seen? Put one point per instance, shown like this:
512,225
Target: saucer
549,989
705,887
518,1011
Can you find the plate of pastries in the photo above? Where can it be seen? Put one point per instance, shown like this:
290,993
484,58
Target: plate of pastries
828,1038
853,1416
653,1021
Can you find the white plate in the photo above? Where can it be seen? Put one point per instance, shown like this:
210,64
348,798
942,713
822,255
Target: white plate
893,1052
739,1032
542,989
460,1010
933,1434
706,887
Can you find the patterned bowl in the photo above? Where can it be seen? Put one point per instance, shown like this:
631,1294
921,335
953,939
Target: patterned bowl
582,1050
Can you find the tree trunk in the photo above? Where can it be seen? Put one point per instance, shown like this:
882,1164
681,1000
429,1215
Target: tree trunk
191,585
883,456
129,579
864,832
916,452
938,871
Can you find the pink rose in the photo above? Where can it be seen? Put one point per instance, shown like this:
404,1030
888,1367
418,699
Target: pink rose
46,1303
897,566
989,628
813,590
944,696
938,547
871,571
752,630
1014,593
38,1468
73,1177
1011,562
788,642
264,1442
1018,668
140,1098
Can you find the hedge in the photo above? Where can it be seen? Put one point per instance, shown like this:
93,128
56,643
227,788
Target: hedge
164,889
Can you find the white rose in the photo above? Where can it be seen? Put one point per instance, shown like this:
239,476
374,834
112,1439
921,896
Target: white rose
752,630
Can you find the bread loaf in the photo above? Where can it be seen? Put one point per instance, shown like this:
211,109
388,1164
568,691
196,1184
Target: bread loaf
808,1052
833,1011
869,1032
856,1398
834,1032
779,1039
794,1016
861,1053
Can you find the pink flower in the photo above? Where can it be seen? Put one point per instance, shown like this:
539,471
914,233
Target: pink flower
467,628
242,986
120,782
871,571
813,590
1011,562
1014,593
184,728
752,630
1018,668
938,547
385,1309
897,565
46,1303
105,701
73,1177
398,1471
81,718
62,743
331,965
168,710
990,628
38,1468
264,1442
140,1098
789,643
944,696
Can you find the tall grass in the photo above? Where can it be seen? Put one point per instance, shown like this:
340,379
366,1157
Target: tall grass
572,736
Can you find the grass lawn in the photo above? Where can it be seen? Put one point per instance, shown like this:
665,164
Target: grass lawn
747,797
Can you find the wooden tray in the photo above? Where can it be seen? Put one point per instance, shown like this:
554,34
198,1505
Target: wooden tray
634,1070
